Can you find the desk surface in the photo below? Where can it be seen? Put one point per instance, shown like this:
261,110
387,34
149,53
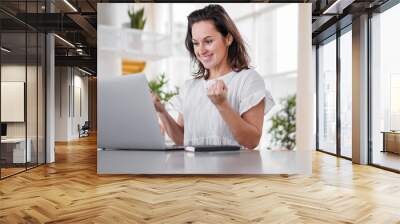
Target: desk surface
183,162
390,132
13,140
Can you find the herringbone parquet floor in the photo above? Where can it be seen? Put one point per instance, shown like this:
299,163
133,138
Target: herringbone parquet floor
70,191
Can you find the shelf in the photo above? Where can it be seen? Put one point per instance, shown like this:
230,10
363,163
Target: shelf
133,44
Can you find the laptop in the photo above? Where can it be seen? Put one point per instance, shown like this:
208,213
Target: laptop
127,118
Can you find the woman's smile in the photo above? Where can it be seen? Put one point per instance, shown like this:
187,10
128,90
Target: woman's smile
205,59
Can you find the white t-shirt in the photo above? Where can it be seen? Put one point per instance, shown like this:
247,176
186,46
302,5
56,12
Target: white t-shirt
203,124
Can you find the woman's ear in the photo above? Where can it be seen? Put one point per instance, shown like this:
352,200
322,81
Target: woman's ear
228,39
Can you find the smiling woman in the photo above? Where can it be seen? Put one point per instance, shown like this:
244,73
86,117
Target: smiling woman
211,32
225,102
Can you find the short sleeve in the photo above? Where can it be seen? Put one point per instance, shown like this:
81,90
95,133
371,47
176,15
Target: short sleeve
253,90
176,102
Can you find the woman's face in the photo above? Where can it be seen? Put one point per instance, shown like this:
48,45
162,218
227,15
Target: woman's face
210,47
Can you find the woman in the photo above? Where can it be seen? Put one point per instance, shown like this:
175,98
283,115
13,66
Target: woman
225,102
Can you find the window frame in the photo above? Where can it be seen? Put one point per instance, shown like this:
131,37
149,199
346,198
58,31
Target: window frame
334,37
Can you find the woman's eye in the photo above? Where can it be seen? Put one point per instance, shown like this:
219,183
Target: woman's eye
209,41
195,44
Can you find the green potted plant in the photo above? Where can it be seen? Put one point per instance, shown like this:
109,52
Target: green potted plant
138,22
137,18
159,87
283,129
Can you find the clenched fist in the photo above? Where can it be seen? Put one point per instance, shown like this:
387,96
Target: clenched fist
217,92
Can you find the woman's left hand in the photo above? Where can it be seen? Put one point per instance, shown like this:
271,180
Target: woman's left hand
217,92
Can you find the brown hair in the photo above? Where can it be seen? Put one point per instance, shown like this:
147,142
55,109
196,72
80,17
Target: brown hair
238,58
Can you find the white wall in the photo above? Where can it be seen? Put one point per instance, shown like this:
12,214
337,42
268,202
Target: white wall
16,73
33,126
67,115
61,103
79,117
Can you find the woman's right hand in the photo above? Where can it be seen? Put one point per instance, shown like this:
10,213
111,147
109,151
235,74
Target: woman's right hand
160,108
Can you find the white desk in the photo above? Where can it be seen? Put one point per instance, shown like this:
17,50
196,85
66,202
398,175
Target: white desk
183,162
18,151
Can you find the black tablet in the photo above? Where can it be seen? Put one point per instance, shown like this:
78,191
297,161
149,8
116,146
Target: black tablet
212,148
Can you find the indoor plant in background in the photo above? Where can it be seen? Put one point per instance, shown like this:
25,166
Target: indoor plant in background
137,22
158,86
283,129
137,18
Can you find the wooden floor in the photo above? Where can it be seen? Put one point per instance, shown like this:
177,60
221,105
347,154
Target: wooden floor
5,172
386,159
70,191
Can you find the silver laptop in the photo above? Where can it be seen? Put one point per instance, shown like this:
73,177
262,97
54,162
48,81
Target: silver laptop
126,115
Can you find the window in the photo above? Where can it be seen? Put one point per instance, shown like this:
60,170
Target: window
22,65
327,96
346,94
385,88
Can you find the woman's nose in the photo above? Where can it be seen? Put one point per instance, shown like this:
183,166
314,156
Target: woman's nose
202,49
